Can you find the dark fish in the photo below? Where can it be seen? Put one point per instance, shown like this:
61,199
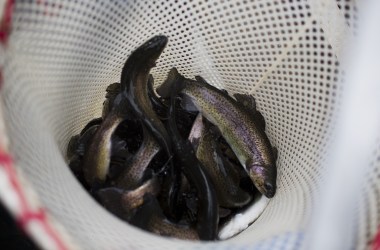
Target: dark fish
72,146
85,139
135,168
207,217
112,91
96,121
78,144
122,202
119,156
134,85
78,151
158,106
110,198
98,156
224,175
150,217
248,141
135,198
131,131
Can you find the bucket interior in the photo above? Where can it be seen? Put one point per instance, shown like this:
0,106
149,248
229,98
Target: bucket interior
62,56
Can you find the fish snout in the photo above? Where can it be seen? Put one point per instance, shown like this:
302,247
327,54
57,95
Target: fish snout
156,44
264,179
270,189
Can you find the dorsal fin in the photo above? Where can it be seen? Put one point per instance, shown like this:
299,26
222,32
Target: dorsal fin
225,91
247,101
201,80
173,82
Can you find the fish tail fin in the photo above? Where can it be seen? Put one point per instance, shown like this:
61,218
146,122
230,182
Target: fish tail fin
173,83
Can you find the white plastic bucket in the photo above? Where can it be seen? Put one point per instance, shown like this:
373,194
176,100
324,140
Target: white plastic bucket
62,55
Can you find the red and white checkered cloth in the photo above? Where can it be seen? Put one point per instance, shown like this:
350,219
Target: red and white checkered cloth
15,192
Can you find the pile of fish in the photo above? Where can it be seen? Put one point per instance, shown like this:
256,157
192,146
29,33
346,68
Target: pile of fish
179,164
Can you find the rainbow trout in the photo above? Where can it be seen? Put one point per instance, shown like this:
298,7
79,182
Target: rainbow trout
158,106
123,203
98,155
112,91
134,85
133,99
135,168
150,217
246,138
224,175
207,216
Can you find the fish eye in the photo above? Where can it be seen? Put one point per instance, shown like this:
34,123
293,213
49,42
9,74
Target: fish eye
268,186
270,189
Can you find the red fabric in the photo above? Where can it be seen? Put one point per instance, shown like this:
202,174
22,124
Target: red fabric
5,23
27,214
376,241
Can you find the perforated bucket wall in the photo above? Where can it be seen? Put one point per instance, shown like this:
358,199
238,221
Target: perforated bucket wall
62,55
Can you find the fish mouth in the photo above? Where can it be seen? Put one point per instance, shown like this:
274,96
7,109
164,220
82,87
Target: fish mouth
270,190
154,46
156,42
262,182
143,58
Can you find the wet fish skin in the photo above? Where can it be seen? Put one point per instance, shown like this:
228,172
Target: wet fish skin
131,131
248,102
134,169
159,107
81,145
95,121
134,198
119,155
223,174
248,141
85,139
110,198
72,146
134,86
77,148
112,91
98,156
123,203
151,218
207,217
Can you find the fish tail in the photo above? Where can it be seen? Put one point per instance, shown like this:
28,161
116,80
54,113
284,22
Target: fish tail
173,83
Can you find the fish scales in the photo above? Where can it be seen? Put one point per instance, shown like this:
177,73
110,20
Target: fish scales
238,126
239,130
